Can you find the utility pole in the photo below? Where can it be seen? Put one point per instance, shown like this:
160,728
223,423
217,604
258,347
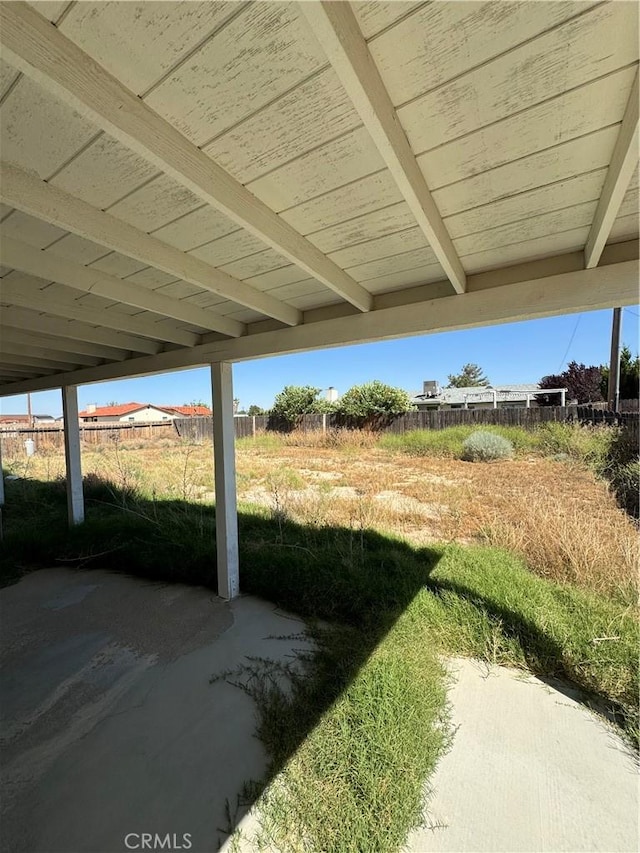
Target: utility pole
613,391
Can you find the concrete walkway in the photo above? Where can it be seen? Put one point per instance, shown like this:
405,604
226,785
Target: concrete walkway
530,769
109,723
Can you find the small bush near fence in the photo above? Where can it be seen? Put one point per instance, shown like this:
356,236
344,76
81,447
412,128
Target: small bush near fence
486,447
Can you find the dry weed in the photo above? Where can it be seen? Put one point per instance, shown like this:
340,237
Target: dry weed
556,515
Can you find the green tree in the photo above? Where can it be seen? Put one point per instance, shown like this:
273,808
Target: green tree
198,403
629,376
255,410
374,403
469,377
297,400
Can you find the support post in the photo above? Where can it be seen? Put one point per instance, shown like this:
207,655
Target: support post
75,496
528,403
225,480
613,391
1,475
563,398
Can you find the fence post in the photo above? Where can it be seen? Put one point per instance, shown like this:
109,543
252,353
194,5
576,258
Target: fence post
324,422
253,426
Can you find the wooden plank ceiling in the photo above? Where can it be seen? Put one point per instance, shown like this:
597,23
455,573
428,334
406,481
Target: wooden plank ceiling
180,173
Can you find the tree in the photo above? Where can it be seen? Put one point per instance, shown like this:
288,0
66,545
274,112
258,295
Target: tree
373,403
255,410
582,384
198,403
629,376
469,377
297,400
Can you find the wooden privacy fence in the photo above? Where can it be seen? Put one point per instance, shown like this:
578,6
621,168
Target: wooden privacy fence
201,429
52,437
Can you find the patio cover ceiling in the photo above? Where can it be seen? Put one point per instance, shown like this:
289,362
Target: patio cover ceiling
194,182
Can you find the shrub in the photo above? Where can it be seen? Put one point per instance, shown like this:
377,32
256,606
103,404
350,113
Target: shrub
486,447
374,403
297,400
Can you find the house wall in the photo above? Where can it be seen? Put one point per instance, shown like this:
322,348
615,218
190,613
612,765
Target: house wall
146,415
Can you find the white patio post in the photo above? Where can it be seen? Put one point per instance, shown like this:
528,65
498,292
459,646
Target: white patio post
225,480
1,475
563,397
75,496
528,403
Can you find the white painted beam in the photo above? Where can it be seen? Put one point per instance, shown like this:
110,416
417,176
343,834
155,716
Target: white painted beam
63,348
336,28
225,481
72,454
515,298
26,192
44,265
17,372
36,323
623,162
42,52
32,352
29,360
19,291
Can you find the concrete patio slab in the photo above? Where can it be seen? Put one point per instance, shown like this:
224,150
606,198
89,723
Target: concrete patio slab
530,769
109,723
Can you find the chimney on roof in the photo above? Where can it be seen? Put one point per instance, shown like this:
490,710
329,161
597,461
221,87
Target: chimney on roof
91,407
332,394
430,388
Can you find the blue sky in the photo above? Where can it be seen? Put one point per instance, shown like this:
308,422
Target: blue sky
514,352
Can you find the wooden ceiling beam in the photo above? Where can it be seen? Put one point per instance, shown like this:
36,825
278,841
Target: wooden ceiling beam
29,353
23,291
78,351
43,53
29,360
32,321
45,265
623,162
512,299
336,28
25,191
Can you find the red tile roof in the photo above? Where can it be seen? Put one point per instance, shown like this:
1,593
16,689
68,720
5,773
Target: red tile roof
113,411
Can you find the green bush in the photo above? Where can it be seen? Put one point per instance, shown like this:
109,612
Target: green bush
294,401
374,403
486,447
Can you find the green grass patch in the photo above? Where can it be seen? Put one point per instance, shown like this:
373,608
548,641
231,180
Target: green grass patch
449,442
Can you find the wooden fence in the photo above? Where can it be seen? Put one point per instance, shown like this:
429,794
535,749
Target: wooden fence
201,429
52,437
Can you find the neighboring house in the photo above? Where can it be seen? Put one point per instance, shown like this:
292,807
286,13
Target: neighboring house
139,413
480,397
23,420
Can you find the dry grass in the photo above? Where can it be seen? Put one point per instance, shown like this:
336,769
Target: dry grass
556,514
